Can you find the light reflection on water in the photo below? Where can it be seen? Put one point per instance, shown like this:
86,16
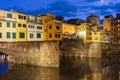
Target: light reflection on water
70,69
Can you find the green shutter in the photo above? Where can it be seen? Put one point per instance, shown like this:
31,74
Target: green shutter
38,35
31,35
8,34
0,35
0,24
8,24
14,35
14,25
9,15
22,35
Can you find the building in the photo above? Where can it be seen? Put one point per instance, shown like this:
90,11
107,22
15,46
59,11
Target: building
107,23
94,20
21,26
87,34
68,30
115,33
105,36
34,29
80,31
7,26
52,27
74,21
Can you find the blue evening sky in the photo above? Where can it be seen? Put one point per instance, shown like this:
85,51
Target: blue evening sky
67,8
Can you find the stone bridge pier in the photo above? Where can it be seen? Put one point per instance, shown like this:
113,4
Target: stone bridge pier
33,53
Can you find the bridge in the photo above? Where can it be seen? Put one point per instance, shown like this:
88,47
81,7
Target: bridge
32,53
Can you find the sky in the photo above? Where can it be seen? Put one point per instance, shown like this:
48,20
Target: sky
66,8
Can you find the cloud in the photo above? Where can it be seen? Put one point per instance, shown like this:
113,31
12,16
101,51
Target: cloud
67,8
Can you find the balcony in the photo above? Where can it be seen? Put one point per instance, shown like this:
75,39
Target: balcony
34,21
57,22
7,19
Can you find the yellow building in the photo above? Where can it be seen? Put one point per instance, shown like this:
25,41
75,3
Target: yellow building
87,33
21,24
7,26
34,29
80,31
52,27
68,30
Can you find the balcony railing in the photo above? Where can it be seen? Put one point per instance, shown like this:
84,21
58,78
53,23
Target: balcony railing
58,22
34,21
7,19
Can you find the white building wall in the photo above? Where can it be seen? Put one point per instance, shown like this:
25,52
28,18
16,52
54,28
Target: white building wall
34,31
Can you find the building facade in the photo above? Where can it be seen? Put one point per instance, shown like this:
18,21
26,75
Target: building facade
94,20
87,33
34,29
115,33
107,23
21,26
7,26
52,27
68,30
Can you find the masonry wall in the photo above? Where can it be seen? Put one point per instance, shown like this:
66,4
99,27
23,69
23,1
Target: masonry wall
33,53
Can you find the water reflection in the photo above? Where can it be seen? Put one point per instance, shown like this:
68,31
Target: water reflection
70,69
90,69
27,72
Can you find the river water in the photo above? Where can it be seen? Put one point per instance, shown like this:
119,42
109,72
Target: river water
70,69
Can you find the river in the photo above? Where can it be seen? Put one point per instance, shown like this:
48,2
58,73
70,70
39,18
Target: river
70,69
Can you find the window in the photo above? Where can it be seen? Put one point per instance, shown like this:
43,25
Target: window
57,27
19,17
14,25
58,35
14,35
8,24
0,24
38,35
55,35
22,35
24,17
50,27
50,35
31,35
24,25
0,35
19,25
9,15
39,27
95,38
8,35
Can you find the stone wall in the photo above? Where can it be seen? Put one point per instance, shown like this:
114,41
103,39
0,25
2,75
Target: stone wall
77,48
94,50
32,53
